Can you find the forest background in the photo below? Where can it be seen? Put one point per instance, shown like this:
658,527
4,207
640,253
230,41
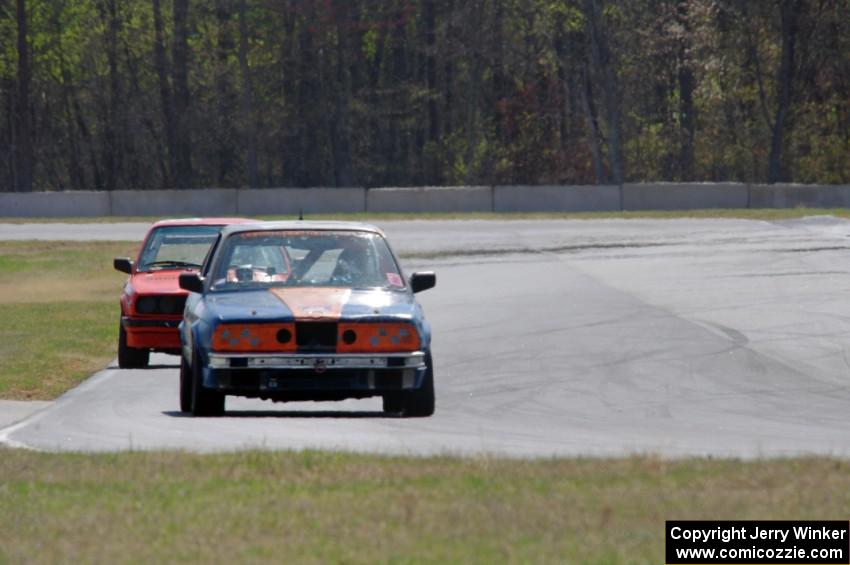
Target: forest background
145,94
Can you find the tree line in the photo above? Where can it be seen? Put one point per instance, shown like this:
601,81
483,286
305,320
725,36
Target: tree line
139,94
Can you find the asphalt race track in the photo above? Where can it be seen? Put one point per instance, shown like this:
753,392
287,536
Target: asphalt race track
588,337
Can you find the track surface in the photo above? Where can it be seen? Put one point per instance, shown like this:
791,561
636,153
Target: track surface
608,337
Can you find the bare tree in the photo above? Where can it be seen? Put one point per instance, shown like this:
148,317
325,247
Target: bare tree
247,101
339,135
603,62
790,16
180,80
23,174
161,64
113,130
687,118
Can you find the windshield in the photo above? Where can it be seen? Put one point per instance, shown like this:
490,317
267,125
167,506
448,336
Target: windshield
177,247
347,259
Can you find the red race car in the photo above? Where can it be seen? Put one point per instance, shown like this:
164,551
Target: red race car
152,301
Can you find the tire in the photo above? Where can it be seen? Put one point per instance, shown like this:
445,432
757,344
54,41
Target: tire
420,403
393,403
130,357
185,385
205,402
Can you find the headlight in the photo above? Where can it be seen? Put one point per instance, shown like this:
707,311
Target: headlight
377,337
168,305
254,338
146,305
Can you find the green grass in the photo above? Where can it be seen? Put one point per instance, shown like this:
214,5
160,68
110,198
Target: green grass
59,312
744,213
335,507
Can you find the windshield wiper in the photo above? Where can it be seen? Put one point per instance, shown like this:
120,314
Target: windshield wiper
171,263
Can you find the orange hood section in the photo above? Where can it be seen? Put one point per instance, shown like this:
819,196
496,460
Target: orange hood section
314,303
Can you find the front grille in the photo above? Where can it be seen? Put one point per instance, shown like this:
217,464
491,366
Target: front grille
315,337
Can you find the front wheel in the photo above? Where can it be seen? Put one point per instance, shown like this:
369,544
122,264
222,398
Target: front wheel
130,357
393,403
205,402
419,403
185,385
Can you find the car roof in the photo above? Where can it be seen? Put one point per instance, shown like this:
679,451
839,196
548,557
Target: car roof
201,222
300,225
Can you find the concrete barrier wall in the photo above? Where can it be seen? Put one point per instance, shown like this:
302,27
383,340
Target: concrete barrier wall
556,198
684,196
799,196
270,201
431,199
288,201
207,202
54,204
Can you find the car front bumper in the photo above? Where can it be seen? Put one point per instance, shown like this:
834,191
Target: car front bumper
312,375
152,333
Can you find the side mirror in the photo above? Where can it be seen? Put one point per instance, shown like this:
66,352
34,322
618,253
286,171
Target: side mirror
193,282
422,281
123,264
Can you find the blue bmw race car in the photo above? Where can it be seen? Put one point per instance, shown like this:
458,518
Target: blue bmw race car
304,311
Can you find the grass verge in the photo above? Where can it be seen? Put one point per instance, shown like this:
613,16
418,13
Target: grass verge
742,213
59,307
333,507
